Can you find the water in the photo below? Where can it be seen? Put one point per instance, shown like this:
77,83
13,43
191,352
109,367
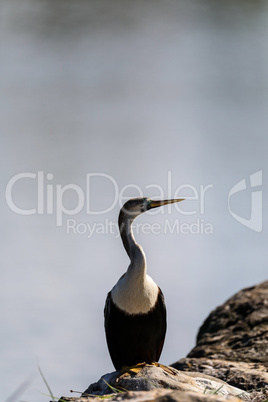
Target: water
153,95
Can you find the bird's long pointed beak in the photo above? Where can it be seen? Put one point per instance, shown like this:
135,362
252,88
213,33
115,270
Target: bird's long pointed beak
159,203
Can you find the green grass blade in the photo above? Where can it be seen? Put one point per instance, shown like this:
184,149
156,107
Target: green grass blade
48,387
115,390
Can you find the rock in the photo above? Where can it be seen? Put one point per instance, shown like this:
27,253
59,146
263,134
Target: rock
151,382
246,376
133,395
180,396
151,378
158,395
232,344
237,330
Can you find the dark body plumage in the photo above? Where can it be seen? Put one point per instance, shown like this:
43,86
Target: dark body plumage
135,338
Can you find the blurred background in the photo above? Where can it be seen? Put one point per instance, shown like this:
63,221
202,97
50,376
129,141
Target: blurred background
157,96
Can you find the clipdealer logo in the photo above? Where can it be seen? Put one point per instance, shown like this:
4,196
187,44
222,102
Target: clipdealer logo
51,199
255,220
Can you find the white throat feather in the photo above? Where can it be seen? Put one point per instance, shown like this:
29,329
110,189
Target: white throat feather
135,295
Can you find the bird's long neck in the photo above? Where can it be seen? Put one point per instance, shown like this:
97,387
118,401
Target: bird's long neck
135,292
133,249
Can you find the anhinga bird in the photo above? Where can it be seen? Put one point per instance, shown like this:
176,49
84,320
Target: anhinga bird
135,312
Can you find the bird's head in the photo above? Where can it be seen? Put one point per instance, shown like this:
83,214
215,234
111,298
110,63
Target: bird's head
136,206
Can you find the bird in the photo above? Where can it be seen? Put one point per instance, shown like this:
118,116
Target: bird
135,310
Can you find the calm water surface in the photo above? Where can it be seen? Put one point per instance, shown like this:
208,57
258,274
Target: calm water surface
149,96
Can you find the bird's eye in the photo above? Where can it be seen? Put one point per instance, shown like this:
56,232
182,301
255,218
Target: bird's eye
146,205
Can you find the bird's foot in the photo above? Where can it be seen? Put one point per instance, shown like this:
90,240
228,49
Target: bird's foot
138,367
131,369
168,369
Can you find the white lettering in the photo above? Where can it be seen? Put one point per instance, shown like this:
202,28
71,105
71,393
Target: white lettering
60,207
9,197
